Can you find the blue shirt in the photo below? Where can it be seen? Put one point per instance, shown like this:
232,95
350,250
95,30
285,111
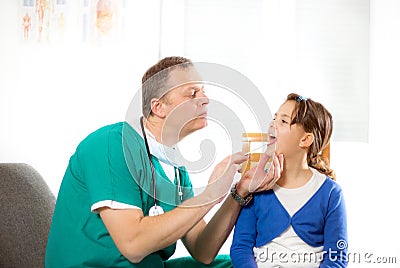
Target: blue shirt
320,222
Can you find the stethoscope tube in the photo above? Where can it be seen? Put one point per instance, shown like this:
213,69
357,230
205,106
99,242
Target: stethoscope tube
151,162
156,210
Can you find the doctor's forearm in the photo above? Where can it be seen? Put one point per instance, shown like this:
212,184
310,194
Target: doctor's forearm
137,236
166,229
217,231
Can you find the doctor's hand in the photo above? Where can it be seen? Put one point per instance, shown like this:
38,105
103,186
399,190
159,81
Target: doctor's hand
257,179
222,176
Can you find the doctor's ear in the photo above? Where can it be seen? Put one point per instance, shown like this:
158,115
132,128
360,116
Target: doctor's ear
157,108
306,140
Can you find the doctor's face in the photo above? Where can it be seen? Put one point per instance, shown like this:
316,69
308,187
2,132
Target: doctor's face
186,102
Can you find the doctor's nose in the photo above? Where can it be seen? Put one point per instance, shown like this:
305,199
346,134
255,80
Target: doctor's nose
203,99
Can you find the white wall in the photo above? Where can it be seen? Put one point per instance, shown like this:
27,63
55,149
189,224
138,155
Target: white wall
52,96
367,171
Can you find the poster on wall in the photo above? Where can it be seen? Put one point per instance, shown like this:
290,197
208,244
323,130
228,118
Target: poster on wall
102,21
43,21
64,21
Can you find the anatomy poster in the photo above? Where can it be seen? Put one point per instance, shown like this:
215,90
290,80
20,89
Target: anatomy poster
65,21
43,21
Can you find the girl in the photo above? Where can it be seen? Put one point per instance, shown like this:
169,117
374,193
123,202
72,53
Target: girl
301,222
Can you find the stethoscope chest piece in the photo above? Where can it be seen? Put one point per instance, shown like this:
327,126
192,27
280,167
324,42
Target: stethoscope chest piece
156,210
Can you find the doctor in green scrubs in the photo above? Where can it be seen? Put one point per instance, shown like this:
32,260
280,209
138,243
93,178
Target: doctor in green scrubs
124,203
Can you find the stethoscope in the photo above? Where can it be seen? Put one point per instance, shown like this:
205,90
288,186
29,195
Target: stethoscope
155,209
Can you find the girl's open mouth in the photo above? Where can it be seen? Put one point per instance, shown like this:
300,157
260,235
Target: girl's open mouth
271,139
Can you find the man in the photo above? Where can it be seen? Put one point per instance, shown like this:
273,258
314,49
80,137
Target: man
106,216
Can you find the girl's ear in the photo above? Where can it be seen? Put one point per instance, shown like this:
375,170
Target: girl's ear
306,140
157,108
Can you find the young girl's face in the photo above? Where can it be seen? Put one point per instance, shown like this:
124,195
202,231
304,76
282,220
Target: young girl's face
288,136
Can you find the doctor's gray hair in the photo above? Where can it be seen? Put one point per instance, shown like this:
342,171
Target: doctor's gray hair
155,80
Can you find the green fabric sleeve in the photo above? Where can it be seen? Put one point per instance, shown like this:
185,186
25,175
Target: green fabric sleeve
105,167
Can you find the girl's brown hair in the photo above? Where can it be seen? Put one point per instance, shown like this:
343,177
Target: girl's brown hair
315,119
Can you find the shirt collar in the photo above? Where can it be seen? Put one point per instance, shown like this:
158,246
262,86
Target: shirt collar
164,153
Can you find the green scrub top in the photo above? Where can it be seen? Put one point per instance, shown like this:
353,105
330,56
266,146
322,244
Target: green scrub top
109,164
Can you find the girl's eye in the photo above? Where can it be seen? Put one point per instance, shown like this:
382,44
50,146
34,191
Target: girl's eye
284,121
